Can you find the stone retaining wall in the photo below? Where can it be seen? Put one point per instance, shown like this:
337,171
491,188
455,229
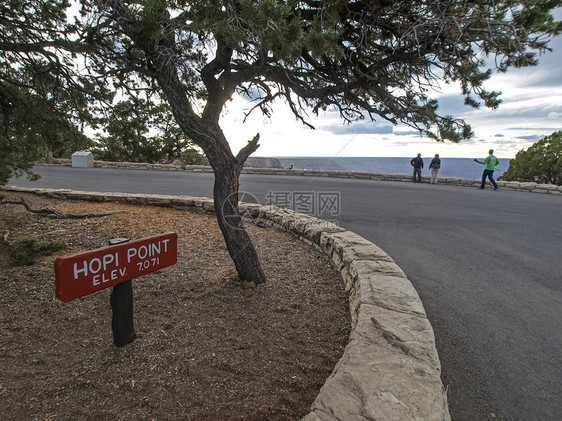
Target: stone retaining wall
466,182
390,369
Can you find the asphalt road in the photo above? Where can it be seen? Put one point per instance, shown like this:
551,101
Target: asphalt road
487,265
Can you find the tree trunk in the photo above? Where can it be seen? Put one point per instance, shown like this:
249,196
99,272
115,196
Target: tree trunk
237,240
49,156
227,169
205,131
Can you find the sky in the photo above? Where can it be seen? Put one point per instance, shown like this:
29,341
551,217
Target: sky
531,109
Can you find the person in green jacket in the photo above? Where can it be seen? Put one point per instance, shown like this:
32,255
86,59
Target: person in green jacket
490,162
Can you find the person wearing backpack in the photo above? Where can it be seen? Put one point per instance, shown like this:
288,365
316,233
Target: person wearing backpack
434,168
490,162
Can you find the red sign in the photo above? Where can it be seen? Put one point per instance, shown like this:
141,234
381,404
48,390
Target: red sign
82,274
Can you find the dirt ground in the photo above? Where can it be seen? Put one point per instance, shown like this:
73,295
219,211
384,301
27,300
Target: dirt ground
207,348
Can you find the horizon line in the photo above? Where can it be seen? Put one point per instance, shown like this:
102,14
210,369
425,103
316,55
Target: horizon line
337,157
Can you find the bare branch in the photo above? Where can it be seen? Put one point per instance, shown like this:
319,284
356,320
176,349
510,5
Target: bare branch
57,213
246,151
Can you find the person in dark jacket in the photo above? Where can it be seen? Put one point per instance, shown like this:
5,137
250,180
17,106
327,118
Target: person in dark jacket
417,163
434,168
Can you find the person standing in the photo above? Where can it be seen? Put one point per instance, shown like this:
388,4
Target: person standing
417,163
434,168
490,162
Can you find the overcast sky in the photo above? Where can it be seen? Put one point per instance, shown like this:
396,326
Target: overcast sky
531,109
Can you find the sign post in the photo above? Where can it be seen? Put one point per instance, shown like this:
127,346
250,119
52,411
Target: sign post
115,266
121,302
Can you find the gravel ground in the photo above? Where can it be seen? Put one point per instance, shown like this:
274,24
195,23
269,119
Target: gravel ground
207,347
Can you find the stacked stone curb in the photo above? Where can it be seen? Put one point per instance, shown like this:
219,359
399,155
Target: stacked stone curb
390,369
464,182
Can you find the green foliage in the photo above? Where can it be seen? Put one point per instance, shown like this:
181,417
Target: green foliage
364,59
140,130
127,128
191,156
32,123
25,252
541,163
43,102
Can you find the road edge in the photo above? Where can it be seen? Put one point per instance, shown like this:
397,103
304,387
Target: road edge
390,369
359,175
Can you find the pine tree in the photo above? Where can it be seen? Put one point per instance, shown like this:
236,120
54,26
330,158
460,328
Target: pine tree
540,163
363,58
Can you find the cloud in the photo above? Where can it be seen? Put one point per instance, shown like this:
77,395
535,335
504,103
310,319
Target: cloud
251,94
407,133
358,128
452,104
533,138
547,74
520,128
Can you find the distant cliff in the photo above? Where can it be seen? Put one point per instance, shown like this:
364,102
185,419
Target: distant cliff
263,163
312,164
295,163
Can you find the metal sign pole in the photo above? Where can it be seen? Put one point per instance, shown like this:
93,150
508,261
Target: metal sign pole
121,302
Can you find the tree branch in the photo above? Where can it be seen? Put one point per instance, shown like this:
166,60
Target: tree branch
57,213
246,151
